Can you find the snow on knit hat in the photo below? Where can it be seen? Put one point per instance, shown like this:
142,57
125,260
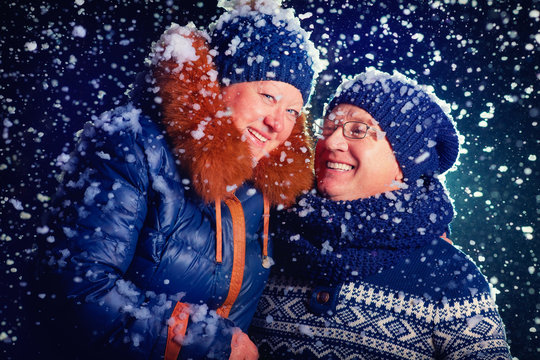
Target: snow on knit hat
262,41
417,123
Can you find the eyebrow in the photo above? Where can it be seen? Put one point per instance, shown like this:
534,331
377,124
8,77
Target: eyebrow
299,103
367,118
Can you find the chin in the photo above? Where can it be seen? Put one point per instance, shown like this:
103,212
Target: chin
326,190
256,152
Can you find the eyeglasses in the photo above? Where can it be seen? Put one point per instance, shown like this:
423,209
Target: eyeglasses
355,130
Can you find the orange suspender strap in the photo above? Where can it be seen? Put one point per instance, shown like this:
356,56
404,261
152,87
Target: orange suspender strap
177,327
443,236
219,241
239,254
266,223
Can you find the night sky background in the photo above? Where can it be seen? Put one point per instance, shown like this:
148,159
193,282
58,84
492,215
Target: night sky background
63,61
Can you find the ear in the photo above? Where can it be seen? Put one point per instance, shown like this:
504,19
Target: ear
399,174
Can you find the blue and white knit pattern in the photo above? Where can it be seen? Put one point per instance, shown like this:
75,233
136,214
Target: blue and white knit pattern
441,309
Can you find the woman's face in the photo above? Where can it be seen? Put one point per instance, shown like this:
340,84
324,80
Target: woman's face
264,111
349,169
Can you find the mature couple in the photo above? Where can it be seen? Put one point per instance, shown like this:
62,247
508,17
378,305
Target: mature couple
163,236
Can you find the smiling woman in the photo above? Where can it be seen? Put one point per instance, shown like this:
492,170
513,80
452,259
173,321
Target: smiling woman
160,228
264,112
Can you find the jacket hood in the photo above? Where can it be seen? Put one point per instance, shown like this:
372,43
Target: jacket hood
205,140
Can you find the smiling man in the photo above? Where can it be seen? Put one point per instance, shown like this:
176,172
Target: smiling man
363,270
356,169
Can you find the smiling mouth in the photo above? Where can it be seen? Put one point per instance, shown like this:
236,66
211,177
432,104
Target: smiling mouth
338,166
257,135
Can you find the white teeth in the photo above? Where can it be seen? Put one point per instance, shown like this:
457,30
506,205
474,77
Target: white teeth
258,136
338,166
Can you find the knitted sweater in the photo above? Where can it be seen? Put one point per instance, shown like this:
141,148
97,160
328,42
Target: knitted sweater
373,280
434,304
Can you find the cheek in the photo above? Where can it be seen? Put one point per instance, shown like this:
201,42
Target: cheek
244,109
373,161
380,163
238,120
319,149
363,152
286,131
244,116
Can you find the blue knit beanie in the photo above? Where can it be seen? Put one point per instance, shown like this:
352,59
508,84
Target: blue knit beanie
418,125
264,42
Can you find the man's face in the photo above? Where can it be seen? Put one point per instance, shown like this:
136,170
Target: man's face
349,169
264,111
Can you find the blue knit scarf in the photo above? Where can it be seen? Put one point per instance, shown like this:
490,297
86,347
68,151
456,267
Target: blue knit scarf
336,241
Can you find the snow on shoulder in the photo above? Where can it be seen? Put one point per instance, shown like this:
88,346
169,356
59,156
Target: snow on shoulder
231,4
118,119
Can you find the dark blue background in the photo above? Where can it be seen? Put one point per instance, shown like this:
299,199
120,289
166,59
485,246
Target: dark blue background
483,57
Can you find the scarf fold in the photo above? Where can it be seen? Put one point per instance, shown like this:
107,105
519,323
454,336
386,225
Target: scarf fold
337,241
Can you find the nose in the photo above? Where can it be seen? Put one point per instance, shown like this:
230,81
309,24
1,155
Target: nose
336,141
274,120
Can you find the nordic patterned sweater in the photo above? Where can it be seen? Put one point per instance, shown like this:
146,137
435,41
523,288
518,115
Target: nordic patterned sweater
433,305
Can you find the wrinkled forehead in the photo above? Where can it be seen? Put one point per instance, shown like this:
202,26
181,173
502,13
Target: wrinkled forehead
349,112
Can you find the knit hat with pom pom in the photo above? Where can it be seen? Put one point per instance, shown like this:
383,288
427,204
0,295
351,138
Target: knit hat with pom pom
258,40
417,124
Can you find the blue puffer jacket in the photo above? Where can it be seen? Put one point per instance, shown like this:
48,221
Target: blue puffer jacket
134,228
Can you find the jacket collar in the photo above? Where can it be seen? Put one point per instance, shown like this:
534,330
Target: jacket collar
209,146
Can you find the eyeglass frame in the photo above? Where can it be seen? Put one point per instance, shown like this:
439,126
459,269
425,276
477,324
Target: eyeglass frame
342,126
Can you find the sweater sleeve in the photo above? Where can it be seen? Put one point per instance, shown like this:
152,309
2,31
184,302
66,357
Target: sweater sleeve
471,329
468,325
102,209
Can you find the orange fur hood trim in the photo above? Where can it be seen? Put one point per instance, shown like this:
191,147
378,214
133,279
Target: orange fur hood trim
210,147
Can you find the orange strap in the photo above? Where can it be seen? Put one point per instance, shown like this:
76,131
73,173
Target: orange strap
219,241
177,326
239,254
266,217
443,236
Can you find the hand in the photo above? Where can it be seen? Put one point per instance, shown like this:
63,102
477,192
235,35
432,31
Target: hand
242,348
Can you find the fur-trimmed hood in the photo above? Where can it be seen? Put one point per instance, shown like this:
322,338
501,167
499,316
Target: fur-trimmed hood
207,143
